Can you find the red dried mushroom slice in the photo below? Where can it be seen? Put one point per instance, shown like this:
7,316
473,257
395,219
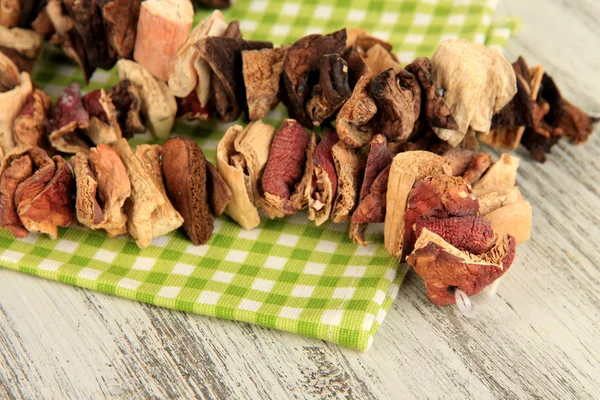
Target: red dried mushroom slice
68,120
30,126
87,208
190,109
15,171
322,192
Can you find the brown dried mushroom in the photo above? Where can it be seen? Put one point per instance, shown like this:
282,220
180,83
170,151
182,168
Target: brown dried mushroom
22,46
349,166
69,121
301,59
219,193
120,24
10,13
322,191
103,126
30,126
126,99
14,171
87,208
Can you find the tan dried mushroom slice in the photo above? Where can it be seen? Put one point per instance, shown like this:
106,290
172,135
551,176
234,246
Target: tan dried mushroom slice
219,193
103,126
502,175
492,200
322,191
406,169
21,45
12,102
30,126
262,74
513,219
87,208
10,13
158,103
298,198
114,188
241,208
349,167
184,77
149,155
9,74
126,99
149,213
477,82
379,59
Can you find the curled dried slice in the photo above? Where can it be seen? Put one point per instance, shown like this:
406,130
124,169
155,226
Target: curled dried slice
103,126
471,233
16,171
262,74
576,124
285,166
120,24
87,208
398,98
332,91
478,166
406,169
446,268
379,59
322,191
301,59
298,198
68,122
149,213
224,56
492,200
158,104
502,175
460,160
189,108
349,166
30,126
12,102
22,46
114,188
126,99
184,169
477,82
219,193
9,74
241,208
512,219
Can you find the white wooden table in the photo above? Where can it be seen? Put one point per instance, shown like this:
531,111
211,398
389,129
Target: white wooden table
539,337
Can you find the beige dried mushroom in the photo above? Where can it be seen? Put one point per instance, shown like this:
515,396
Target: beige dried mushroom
12,102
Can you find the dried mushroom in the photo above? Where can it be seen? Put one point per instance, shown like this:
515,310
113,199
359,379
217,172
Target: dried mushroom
184,169
190,109
185,78
446,268
322,191
103,126
29,128
332,91
353,120
262,74
379,59
126,99
298,198
158,105
470,233
359,38
10,13
512,219
68,122
285,166
163,27
219,193
349,166
22,46
12,102
120,24
460,160
576,124
43,200
301,60
502,175
478,166
114,188
371,204
87,208
9,74
149,213
14,171
224,56
398,99
405,170
477,82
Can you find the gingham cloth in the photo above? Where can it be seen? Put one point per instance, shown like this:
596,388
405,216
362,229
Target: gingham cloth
286,274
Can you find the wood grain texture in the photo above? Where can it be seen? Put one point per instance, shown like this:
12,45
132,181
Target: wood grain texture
537,338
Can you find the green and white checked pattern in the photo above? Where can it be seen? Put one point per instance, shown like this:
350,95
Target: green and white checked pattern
286,274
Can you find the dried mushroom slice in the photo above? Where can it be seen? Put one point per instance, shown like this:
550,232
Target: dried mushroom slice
332,91
43,200
398,98
512,219
103,126
158,104
126,99
114,188
12,102
460,160
241,208
349,166
322,191
219,193
379,59
299,198
149,155
285,166
224,56
478,166
353,120
446,268
22,46
120,24
190,109
477,82
68,122
359,38
9,74
406,169
492,200
184,169
262,74
577,124
436,112
87,208
30,126
301,60
10,13
184,77
16,171
502,175
149,213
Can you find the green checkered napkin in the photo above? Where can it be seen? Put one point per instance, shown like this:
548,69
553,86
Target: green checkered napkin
286,274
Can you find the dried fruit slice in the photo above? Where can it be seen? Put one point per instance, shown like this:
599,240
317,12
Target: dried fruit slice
126,99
